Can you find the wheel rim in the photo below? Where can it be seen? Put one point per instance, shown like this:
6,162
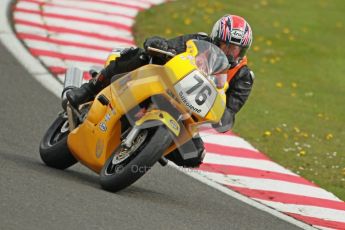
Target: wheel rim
124,155
60,132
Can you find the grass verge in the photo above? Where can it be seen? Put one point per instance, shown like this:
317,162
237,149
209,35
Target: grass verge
296,112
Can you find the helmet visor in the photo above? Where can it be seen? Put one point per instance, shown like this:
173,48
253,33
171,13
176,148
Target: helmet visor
231,50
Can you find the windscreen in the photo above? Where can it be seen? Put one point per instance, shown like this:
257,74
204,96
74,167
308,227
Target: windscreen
212,61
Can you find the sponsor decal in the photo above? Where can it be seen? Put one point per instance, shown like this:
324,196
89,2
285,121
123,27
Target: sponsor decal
103,127
237,34
99,148
107,117
188,104
174,124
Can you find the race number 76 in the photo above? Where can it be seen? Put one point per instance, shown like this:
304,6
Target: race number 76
203,93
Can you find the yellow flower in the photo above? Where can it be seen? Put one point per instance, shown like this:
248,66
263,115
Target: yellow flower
264,3
187,21
297,130
286,30
269,42
279,85
279,130
294,85
302,152
286,136
272,61
267,133
256,48
329,136
304,134
167,31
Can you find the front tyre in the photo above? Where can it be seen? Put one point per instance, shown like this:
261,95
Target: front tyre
123,169
54,150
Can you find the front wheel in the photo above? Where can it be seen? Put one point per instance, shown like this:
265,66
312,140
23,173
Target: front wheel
125,166
54,151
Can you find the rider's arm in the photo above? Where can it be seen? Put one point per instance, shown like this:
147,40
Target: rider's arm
176,45
236,95
239,89
130,59
179,43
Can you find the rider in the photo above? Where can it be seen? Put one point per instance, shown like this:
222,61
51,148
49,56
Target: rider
230,33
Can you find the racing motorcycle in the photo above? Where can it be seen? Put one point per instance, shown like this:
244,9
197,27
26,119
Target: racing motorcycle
141,117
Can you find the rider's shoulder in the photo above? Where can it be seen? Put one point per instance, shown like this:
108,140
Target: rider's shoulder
203,36
198,36
245,71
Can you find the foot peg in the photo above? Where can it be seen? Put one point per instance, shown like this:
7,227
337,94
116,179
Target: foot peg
163,161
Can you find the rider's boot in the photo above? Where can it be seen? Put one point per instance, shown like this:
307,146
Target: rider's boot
193,149
86,92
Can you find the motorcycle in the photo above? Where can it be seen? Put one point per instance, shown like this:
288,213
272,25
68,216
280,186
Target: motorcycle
141,117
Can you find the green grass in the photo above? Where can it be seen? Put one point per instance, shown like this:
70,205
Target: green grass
296,112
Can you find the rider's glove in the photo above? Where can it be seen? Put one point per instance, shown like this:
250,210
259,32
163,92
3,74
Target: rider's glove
156,42
226,123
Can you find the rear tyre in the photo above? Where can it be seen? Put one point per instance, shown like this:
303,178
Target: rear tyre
53,149
118,173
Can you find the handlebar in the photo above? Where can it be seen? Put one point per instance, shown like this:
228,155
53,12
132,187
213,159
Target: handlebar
161,51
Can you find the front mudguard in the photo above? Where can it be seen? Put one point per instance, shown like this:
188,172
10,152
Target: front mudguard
159,117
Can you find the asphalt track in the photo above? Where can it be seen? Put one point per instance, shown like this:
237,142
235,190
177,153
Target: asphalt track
33,196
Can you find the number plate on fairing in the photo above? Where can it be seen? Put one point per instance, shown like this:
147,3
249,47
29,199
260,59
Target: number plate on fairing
197,93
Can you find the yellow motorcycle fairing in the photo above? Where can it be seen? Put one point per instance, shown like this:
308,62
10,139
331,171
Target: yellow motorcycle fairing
93,141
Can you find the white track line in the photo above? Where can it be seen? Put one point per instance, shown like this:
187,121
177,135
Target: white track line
67,50
77,25
17,49
307,210
270,185
200,177
245,162
231,141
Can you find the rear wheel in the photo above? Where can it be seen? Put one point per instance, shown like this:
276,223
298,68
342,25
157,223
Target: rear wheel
54,151
125,166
